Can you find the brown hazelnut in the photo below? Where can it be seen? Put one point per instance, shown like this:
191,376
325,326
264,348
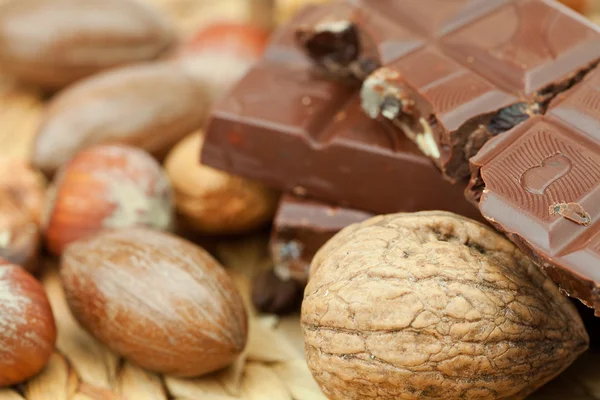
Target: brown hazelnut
286,9
236,39
158,300
53,44
27,184
214,202
432,305
151,106
27,329
106,186
219,54
19,231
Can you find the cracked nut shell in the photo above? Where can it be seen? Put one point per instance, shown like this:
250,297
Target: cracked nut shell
106,187
158,300
27,328
432,305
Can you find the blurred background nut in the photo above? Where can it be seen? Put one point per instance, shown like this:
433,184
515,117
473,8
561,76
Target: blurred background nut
432,305
106,186
21,198
236,39
151,106
54,43
189,15
286,9
213,202
156,299
25,183
219,54
19,232
27,329
581,6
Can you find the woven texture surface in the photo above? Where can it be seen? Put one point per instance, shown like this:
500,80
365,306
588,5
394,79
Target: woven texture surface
272,366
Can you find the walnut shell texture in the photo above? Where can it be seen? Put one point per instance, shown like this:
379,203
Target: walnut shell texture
212,201
156,299
106,187
27,328
432,305
54,43
151,106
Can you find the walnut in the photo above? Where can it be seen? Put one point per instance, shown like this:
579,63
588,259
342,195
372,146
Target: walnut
432,305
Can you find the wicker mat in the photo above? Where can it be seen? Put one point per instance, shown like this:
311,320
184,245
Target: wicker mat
272,366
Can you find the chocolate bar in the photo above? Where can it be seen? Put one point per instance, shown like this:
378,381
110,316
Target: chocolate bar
303,134
300,228
453,74
539,183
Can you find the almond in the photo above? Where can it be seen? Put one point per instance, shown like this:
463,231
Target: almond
150,106
54,43
158,300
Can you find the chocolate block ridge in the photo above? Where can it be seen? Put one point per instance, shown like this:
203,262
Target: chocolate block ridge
539,183
461,73
307,135
300,228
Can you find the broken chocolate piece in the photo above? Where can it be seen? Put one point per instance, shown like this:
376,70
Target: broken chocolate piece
470,65
349,42
335,45
300,228
303,134
271,294
539,183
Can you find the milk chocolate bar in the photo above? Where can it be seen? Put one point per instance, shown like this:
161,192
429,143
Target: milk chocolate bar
304,134
453,74
539,183
300,228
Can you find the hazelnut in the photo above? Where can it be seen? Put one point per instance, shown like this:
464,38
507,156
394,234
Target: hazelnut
158,300
286,9
26,183
432,305
106,186
19,231
214,202
27,329
53,44
237,39
151,106
219,54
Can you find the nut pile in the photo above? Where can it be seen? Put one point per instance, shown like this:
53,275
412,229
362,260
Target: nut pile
125,90
408,306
